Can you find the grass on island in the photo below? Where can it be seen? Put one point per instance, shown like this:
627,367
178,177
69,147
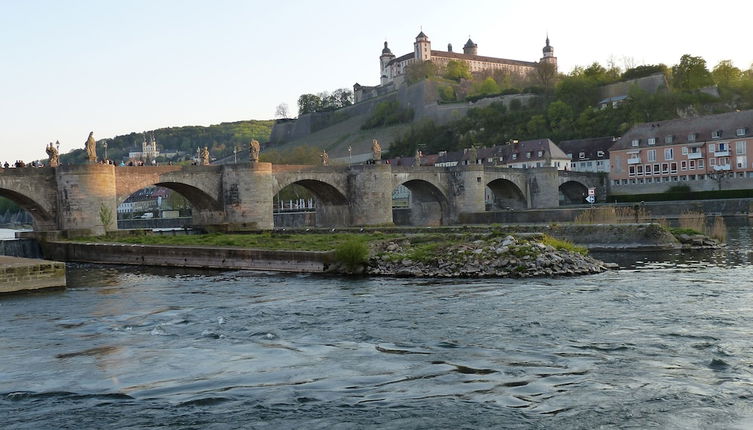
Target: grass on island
267,240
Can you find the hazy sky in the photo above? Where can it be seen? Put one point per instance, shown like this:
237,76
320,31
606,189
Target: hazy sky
70,67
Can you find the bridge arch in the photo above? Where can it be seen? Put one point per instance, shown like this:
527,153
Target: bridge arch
572,193
505,194
427,204
42,217
329,202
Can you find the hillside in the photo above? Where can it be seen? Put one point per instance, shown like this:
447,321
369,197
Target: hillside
219,138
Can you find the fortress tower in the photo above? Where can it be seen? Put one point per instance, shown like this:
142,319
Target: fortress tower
548,54
422,47
384,60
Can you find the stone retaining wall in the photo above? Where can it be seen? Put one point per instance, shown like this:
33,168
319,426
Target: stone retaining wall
197,257
18,274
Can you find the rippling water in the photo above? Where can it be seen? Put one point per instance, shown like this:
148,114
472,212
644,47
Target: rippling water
666,342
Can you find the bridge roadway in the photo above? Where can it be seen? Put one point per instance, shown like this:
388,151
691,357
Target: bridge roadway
82,199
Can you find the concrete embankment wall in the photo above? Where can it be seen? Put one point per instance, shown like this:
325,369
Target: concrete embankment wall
26,248
18,274
197,257
724,207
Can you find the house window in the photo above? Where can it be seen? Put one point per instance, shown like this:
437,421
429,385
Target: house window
673,168
635,142
656,169
684,150
701,164
691,164
716,134
528,154
742,161
514,156
582,155
668,139
647,169
683,165
740,147
712,161
741,131
631,171
669,154
599,153
691,137
723,147
665,168
651,155
540,154
712,147
651,141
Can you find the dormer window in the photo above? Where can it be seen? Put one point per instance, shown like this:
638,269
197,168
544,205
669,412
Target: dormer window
514,156
635,142
582,155
599,153
691,137
651,141
716,134
540,154
668,139
528,154
741,131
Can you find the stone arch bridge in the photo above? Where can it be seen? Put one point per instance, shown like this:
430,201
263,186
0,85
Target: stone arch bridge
77,199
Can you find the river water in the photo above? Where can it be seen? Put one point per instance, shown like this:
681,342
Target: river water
666,342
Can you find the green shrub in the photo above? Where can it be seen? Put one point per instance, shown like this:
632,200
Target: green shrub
563,245
352,253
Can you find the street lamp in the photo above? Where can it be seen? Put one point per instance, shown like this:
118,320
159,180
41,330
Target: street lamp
105,150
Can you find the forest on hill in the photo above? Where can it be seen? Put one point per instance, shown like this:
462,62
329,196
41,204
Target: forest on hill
221,139
567,104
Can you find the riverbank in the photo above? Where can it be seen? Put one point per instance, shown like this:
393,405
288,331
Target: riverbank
422,254
22,274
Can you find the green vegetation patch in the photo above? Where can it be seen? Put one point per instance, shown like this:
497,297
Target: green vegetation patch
563,245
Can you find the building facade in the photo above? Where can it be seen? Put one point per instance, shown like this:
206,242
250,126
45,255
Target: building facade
703,153
588,155
521,155
392,69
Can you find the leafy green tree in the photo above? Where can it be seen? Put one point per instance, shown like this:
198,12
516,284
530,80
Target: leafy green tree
643,71
415,72
726,75
560,116
309,103
447,93
457,70
486,87
537,126
691,73
545,75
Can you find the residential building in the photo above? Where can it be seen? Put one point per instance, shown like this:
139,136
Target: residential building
706,153
525,154
588,155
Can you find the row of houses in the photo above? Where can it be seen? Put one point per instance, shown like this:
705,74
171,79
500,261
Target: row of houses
650,157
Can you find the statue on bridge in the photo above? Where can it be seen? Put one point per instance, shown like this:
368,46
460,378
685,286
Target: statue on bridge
324,157
91,148
52,155
253,151
419,154
376,150
205,156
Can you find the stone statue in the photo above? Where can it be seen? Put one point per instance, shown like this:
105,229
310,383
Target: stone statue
418,158
324,157
473,157
253,151
52,155
205,156
91,148
376,150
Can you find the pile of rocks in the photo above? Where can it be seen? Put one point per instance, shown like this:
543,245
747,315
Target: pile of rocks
697,241
490,257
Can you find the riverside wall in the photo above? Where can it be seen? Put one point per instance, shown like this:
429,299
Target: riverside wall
21,274
195,257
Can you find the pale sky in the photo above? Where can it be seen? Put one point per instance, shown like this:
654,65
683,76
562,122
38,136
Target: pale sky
112,67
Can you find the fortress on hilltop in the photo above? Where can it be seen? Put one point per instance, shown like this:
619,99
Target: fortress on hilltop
392,69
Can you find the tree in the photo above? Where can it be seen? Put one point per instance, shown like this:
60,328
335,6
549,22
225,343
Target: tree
457,70
725,74
643,71
691,73
546,76
419,71
309,103
282,111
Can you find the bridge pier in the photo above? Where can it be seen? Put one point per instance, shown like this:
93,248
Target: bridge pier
542,188
370,194
247,196
86,199
467,185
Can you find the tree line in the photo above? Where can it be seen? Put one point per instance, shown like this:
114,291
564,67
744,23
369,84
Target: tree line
567,104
